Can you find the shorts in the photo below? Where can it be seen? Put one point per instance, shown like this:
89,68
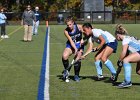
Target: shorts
77,44
113,45
138,51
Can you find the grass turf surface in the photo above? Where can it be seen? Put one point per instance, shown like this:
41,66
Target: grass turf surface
21,64
88,88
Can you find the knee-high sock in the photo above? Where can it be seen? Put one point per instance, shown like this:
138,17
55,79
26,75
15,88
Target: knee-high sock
110,66
65,63
127,71
98,65
77,67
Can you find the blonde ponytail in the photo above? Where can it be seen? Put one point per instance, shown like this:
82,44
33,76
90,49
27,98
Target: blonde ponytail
121,30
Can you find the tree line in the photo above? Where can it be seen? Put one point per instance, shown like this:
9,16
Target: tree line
72,5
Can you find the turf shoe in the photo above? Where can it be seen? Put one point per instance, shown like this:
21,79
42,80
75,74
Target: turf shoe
76,78
125,84
100,77
65,74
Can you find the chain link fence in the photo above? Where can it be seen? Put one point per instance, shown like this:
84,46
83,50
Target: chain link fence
96,17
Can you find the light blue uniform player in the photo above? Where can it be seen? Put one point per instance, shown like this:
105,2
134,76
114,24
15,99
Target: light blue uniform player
132,45
107,46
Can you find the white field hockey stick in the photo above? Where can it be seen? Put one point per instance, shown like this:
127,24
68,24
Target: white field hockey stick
75,61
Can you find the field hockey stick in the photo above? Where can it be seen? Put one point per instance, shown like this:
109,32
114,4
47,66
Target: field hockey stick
75,61
119,64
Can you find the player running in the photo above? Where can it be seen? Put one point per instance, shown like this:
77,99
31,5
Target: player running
107,46
73,33
132,45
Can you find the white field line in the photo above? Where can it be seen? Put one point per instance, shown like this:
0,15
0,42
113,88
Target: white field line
46,88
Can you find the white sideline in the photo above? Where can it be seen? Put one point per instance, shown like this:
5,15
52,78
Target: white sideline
46,88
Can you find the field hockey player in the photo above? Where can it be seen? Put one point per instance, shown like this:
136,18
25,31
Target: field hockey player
73,33
107,46
131,44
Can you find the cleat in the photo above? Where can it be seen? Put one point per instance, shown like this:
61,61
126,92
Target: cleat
125,84
100,77
6,36
76,78
2,36
65,74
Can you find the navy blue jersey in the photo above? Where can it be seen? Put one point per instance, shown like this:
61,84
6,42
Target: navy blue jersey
76,35
37,15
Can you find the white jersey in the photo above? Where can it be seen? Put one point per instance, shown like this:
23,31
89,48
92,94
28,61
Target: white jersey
133,43
106,35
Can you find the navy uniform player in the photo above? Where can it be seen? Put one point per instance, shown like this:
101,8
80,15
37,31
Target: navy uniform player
107,46
132,45
73,33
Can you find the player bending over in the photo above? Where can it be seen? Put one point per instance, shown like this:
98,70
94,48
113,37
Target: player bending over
73,33
128,44
107,46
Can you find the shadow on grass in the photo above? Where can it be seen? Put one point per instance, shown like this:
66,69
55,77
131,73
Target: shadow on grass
83,77
105,79
26,41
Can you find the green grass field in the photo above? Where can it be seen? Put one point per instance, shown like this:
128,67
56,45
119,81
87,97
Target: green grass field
88,88
20,65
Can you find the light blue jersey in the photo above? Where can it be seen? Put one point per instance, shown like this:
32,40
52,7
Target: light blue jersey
2,18
133,43
106,35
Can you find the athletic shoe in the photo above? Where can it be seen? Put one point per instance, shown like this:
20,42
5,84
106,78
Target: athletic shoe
2,37
100,77
125,84
76,78
6,36
65,74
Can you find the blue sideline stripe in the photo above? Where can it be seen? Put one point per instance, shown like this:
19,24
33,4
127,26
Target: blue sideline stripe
43,70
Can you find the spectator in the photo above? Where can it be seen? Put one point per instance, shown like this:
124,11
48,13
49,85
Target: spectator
27,20
36,24
3,24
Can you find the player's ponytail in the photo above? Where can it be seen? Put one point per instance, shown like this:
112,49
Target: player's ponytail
120,30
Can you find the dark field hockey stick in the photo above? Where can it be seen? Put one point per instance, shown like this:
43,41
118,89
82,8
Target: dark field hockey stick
119,64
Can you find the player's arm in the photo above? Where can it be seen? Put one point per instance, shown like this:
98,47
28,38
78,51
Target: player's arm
124,52
102,42
70,40
90,46
84,39
22,18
